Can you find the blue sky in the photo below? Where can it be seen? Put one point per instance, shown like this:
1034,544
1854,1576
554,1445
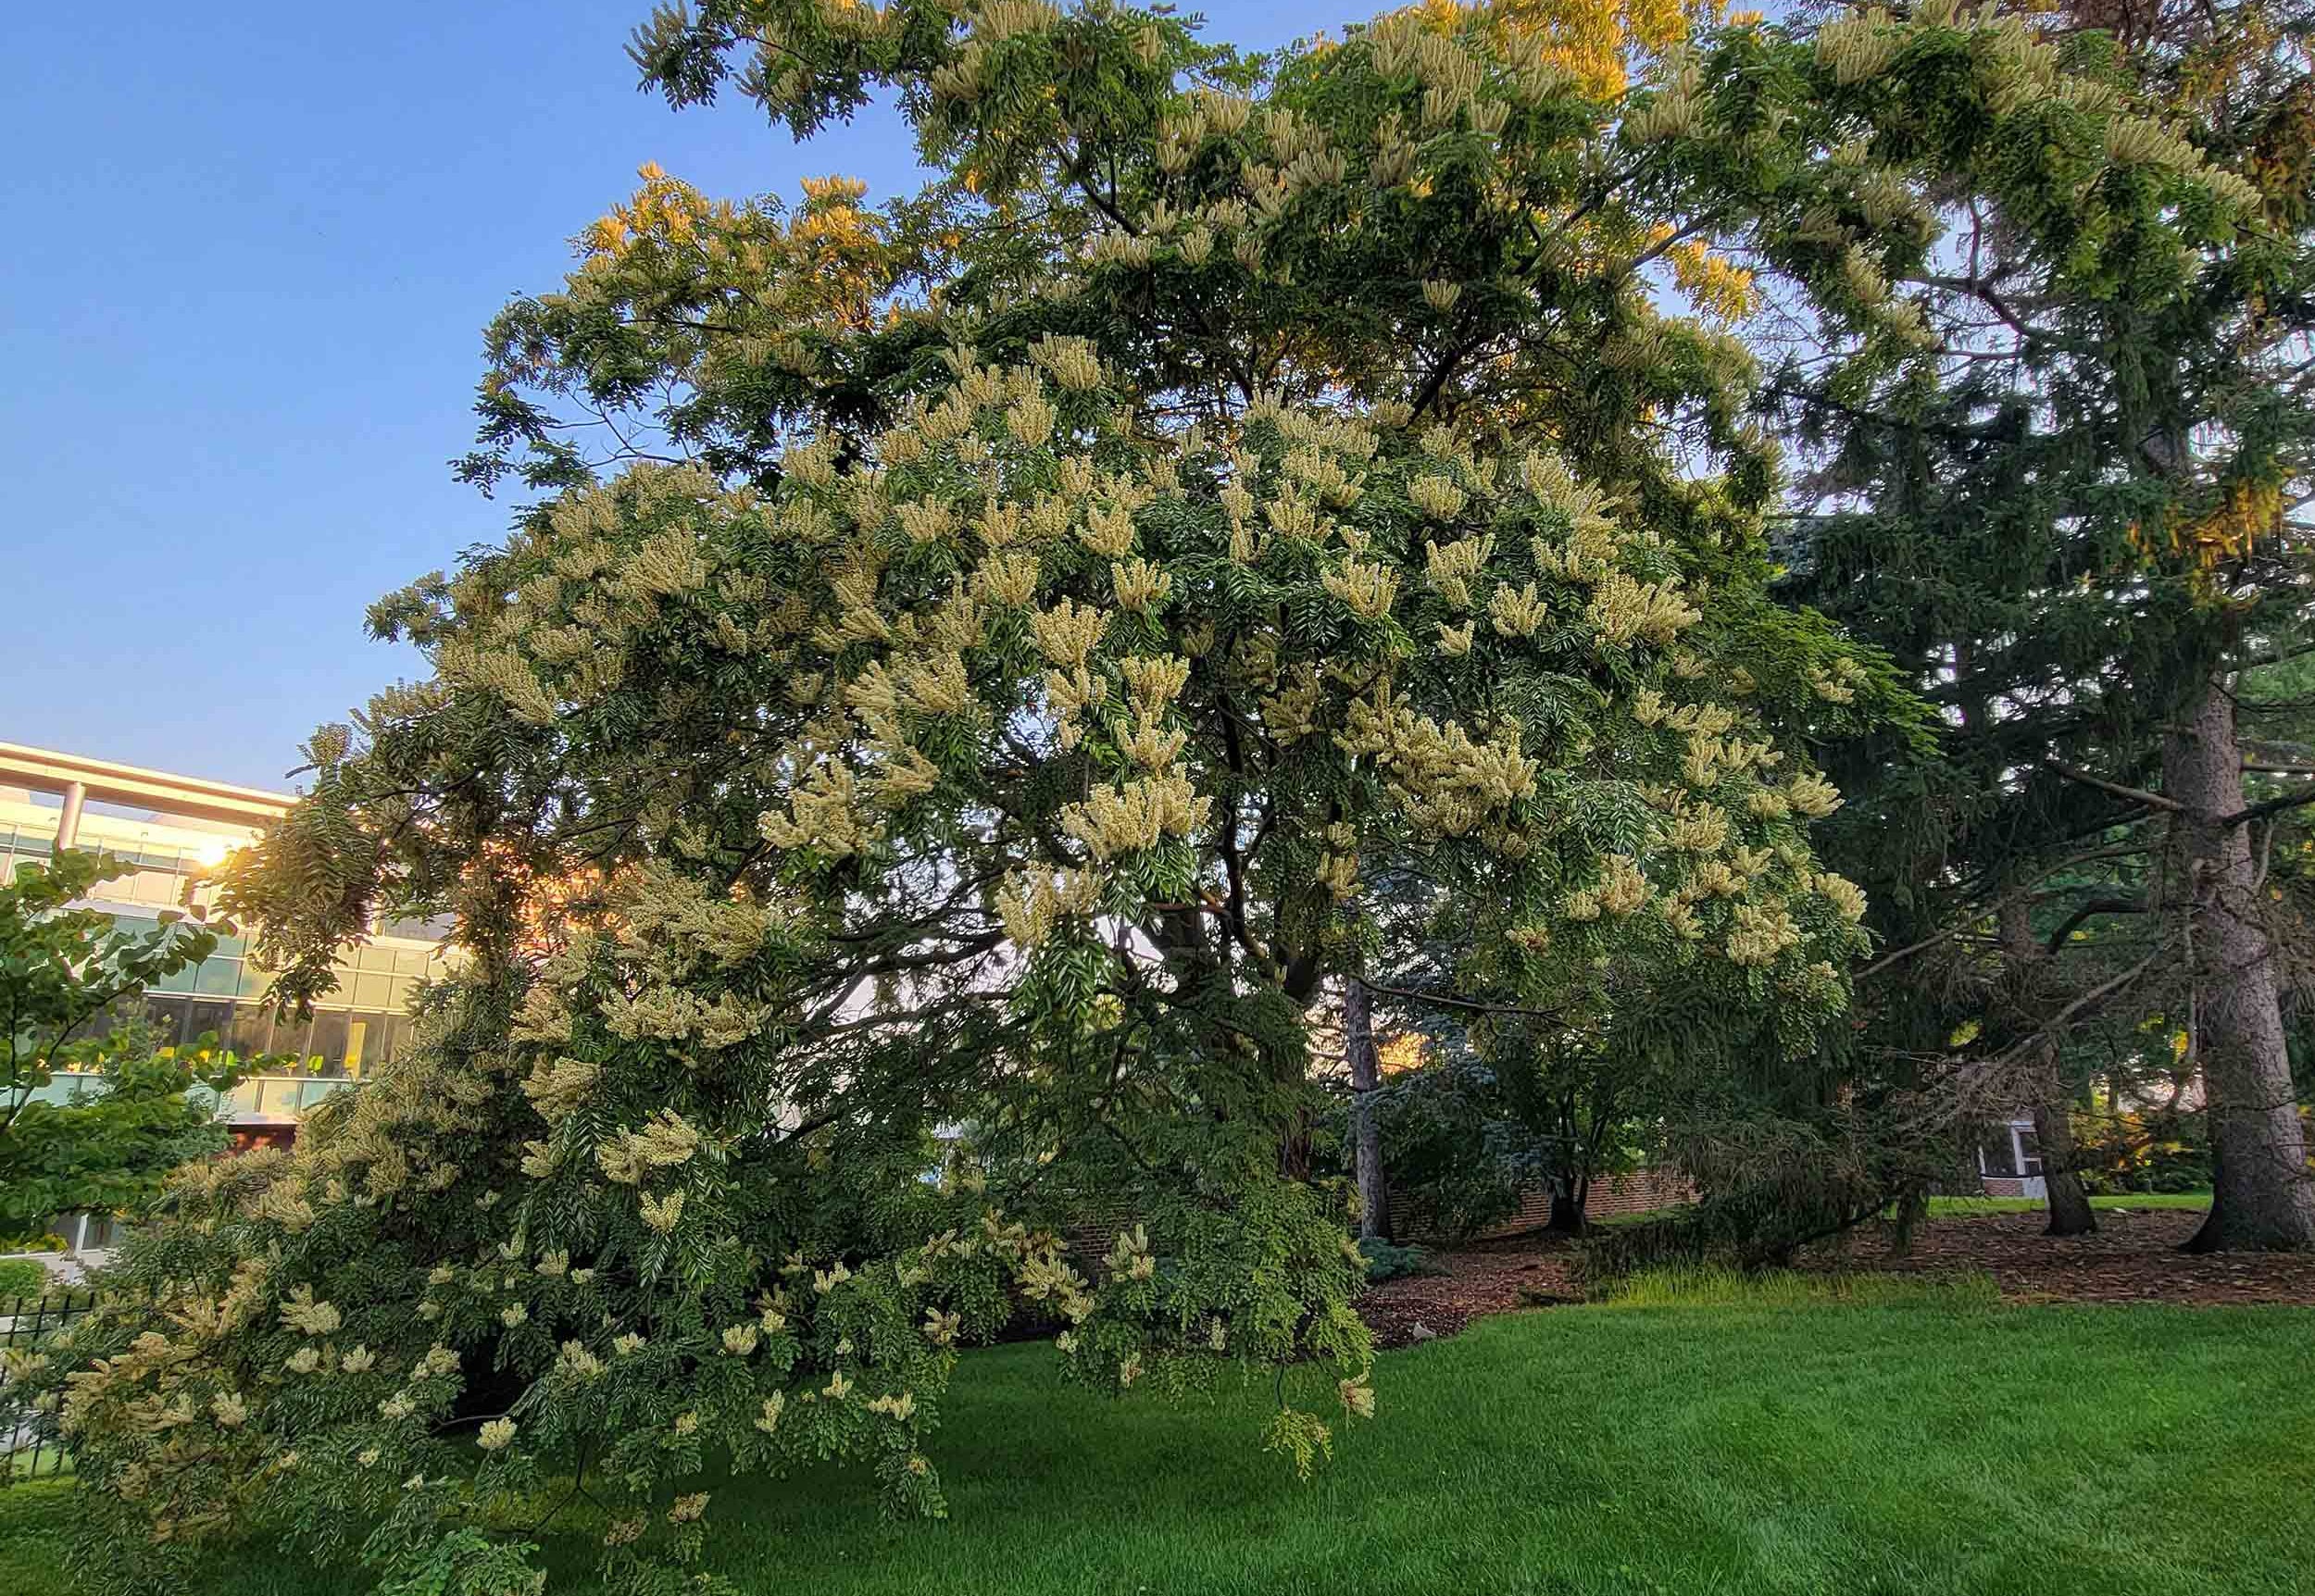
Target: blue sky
251,249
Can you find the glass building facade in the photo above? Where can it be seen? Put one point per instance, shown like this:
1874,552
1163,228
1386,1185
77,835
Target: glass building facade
360,1024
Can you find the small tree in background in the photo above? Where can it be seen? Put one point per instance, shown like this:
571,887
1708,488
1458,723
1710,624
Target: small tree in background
1451,1170
65,974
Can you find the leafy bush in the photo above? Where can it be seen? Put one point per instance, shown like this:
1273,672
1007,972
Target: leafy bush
2152,1150
1766,1200
1444,1143
1389,1261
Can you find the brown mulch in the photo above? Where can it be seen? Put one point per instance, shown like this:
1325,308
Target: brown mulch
1489,1277
2132,1258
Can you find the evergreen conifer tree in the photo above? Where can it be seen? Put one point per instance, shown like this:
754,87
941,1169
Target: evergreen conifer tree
2071,521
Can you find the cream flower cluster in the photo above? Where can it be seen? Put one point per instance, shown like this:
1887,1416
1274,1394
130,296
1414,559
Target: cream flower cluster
678,1013
1623,609
1125,818
300,1311
1445,780
559,1088
1030,904
666,1141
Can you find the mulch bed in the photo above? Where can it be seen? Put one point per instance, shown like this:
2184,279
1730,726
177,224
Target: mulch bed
1488,1277
2132,1258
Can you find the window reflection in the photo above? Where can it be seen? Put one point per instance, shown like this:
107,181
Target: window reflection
251,1035
358,1026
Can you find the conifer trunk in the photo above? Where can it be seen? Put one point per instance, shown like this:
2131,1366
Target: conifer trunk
1366,1128
2070,1210
2262,1197
2071,1213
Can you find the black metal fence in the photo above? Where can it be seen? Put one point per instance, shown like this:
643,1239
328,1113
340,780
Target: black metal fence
24,1323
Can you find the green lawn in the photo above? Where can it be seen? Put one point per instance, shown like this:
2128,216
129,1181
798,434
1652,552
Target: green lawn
1937,1446
1944,1207
1961,1207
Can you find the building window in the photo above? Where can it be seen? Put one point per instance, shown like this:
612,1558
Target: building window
327,1047
289,1035
206,1015
168,1016
252,1036
2029,1150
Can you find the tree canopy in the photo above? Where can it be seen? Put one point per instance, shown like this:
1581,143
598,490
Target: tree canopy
975,669
2074,524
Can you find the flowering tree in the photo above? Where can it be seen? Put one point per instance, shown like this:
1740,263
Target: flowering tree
948,713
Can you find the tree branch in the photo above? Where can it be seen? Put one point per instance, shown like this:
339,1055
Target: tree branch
1414,994
2135,794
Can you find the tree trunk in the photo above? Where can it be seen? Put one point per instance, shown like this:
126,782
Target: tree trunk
2070,1210
1567,1195
2261,1196
1366,1129
1303,980
1295,1147
1912,1213
2071,1213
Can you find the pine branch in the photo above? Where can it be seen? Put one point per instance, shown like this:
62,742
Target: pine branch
2138,795
2094,907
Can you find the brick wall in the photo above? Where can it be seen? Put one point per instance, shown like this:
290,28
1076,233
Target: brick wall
1642,1191
247,1138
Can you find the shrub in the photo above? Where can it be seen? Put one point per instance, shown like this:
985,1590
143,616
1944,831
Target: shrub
1389,1261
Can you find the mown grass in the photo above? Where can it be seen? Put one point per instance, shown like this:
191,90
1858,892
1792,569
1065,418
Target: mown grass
1774,1442
1706,1286
1951,1207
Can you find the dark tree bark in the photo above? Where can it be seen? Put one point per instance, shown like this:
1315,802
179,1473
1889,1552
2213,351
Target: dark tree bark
2262,1197
2071,1213
2070,1210
1366,1129
1568,1196
1294,1148
1912,1215
1302,982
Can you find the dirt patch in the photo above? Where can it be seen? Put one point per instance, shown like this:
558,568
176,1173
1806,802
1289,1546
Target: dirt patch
2132,1258
1490,1277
